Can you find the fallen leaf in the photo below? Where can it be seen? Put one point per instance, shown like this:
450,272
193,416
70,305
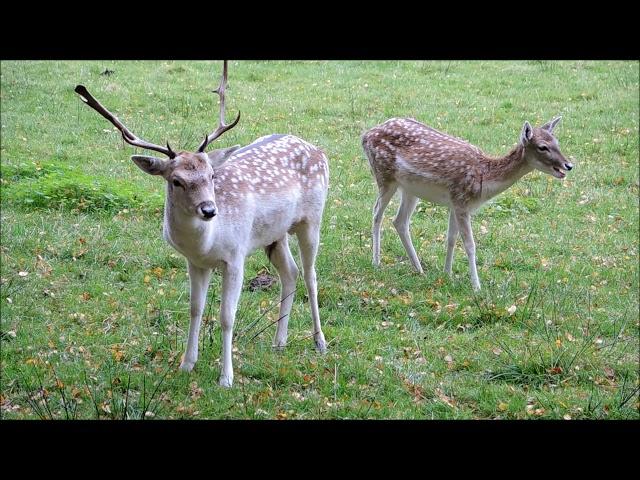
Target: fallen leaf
43,266
196,391
416,391
406,299
451,307
23,274
446,399
117,354
157,272
502,406
512,309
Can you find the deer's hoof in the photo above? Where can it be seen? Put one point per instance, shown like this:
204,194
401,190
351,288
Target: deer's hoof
321,345
187,366
226,381
279,342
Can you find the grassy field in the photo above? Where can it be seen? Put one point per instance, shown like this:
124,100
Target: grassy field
95,305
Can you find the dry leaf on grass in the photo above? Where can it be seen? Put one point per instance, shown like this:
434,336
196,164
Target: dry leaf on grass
444,398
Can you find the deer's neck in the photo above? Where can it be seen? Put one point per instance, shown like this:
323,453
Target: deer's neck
500,173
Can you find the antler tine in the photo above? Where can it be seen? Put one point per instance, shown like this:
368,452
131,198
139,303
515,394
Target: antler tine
127,135
222,127
220,91
173,154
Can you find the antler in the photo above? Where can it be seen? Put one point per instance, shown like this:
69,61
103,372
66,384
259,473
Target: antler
128,137
222,127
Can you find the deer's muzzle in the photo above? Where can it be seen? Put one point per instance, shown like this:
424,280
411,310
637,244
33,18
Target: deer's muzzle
207,210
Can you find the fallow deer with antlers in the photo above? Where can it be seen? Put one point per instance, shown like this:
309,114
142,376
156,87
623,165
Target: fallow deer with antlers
427,164
223,204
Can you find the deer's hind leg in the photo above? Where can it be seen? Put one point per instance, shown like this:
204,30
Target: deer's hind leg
385,193
309,240
402,221
281,258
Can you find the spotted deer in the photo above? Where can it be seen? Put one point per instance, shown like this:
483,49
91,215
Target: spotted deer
222,205
430,165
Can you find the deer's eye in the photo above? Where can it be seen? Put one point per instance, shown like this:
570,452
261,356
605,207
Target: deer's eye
543,148
176,183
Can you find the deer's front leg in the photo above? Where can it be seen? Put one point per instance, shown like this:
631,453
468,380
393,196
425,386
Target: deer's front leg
231,287
452,235
464,224
199,279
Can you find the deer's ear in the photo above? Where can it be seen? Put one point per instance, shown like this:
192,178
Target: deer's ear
150,165
549,126
526,134
218,157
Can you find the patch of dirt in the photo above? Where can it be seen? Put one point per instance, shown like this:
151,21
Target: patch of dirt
262,281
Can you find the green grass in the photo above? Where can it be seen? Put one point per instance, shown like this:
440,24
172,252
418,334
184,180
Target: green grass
97,325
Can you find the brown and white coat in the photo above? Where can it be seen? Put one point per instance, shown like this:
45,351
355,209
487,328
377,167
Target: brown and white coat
430,165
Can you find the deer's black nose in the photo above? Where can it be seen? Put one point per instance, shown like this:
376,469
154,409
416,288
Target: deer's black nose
568,166
208,209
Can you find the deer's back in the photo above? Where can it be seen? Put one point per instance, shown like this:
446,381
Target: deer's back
428,163
404,146
273,184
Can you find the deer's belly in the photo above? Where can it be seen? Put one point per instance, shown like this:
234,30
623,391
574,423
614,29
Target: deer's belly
431,192
273,226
